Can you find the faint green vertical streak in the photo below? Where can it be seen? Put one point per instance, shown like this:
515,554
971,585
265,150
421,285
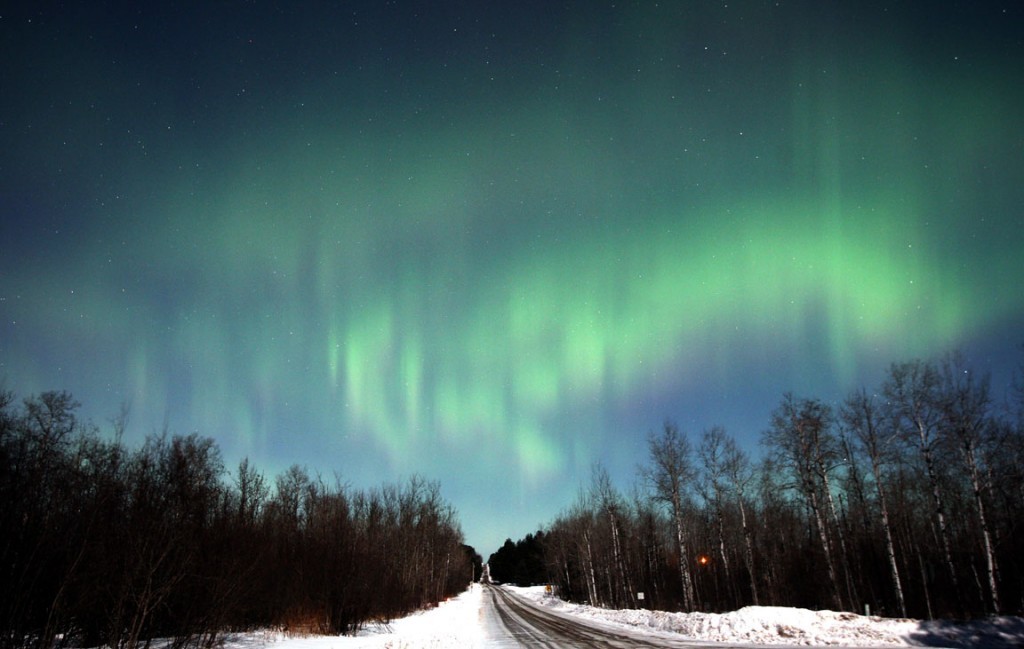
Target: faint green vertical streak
412,380
333,355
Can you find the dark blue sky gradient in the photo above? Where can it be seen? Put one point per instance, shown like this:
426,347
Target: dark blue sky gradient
494,243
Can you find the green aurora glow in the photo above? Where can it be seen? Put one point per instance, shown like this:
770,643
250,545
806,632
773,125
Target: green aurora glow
496,277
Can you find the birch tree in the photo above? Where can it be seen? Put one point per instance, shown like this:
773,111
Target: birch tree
965,404
912,392
713,462
738,474
796,439
864,422
610,506
670,473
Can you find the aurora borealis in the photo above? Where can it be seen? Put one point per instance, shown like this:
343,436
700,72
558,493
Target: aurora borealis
493,243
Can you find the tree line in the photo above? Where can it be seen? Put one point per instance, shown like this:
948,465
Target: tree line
106,545
907,499
520,563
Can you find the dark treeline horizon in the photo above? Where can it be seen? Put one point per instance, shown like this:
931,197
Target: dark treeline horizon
104,545
906,499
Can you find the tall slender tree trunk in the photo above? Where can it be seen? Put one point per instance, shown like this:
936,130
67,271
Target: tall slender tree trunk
843,555
620,566
652,568
965,406
588,570
890,549
819,521
671,455
723,555
689,598
924,581
991,564
748,541
940,511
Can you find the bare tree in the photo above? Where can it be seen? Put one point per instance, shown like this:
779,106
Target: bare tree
797,437
912,391
670,474
864,422
581,529
738,474
712,454
965,405
610,506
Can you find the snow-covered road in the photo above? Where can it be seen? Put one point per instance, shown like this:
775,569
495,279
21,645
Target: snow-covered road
522,623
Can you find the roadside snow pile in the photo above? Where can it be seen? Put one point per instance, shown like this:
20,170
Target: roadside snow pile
798,626
452,625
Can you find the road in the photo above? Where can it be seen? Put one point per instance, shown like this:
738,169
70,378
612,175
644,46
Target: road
512,621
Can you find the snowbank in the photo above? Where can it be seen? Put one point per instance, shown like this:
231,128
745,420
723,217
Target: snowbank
452,625
797,626
461,622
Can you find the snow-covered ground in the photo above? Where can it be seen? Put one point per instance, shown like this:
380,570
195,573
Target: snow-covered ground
453,624
798,626
461,622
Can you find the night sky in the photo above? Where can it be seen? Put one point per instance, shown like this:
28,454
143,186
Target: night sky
492,243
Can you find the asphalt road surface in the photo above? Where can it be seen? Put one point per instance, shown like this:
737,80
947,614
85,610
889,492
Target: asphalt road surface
512,621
